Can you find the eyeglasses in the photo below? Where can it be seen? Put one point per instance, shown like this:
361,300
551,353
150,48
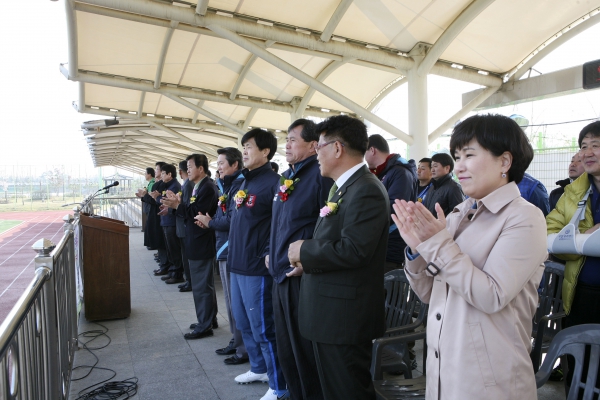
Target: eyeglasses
320,146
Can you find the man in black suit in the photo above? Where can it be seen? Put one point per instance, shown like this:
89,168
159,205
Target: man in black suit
199,243
186,192
341,306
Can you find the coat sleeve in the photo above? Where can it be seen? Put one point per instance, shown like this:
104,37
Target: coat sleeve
516,256
361,231
420,282
221,223
539,198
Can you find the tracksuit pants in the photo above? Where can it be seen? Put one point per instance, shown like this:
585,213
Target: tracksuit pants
252,305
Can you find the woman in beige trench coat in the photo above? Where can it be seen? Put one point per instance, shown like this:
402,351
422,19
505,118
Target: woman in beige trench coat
480,268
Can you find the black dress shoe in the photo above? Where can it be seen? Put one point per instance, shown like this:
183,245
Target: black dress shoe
235,360
182,285
198,335
185,289
173,280
161,272
166,277
226,351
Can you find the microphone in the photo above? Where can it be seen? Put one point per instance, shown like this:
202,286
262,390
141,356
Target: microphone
115,183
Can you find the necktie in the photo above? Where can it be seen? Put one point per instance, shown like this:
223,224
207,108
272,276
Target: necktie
332,191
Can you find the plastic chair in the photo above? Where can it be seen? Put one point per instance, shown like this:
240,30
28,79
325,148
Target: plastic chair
547,320
574,341
401,306
396,388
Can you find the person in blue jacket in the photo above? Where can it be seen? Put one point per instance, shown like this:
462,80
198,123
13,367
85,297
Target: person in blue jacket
399,176
535,192
229,179
251,283
302,193
168,222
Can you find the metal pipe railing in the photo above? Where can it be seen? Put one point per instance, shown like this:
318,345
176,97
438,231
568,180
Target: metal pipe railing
39,336
126,209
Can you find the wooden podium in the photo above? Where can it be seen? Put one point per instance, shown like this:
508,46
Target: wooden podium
106,289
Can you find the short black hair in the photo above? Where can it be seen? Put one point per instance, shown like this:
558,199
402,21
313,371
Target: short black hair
208,173
264,140
593,128
444,159
308,133
150,171
425,160
200,160
274,166
232,155
183,165
350,131
169,169
379,143
160,164
497,134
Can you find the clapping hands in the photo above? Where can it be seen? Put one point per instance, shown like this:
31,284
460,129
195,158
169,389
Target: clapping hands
415,223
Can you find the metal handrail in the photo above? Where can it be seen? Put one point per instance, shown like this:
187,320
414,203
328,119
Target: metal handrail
39,336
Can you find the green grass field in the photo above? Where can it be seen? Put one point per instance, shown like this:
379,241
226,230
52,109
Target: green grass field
7,224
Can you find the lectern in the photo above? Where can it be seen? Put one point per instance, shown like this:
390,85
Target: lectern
106,288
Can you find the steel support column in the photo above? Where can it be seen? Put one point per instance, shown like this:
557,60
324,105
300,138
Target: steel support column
335,19
417,107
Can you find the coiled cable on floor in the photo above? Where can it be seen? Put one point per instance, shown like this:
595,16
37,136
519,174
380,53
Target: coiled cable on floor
113,390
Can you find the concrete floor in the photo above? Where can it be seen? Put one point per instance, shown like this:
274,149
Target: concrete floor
150,345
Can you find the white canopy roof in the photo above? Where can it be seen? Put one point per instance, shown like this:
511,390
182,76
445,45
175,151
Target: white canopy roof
194,77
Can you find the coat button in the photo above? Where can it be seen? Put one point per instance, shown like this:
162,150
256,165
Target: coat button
436,354
438,316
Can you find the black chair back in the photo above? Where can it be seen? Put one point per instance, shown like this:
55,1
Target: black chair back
583,343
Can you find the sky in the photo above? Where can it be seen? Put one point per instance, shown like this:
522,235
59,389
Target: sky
42,128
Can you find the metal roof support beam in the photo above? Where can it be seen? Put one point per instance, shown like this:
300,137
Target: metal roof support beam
72,37
385,92
136,84
448,36
310,81
174,154
178,135
335,19
247,28
481,97
163,54
324,74
203,31
165,141
207,114
201,7
249,118
140,110
548,48
554,84
147,120
242,76
156,13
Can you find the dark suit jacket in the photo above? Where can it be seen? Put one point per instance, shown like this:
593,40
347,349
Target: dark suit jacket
186,193
199,243
341,296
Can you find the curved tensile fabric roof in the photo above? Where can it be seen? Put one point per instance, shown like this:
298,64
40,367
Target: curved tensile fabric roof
194,77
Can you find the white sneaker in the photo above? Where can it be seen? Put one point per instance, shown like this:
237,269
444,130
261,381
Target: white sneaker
272,395
250,377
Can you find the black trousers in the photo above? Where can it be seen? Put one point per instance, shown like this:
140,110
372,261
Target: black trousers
295,353
173,251
186,263
344,370
584,310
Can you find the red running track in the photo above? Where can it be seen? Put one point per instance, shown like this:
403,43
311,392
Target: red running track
16,255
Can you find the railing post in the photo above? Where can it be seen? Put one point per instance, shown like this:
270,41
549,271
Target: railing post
49,329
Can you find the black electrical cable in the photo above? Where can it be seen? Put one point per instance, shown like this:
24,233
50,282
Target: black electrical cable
115,390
